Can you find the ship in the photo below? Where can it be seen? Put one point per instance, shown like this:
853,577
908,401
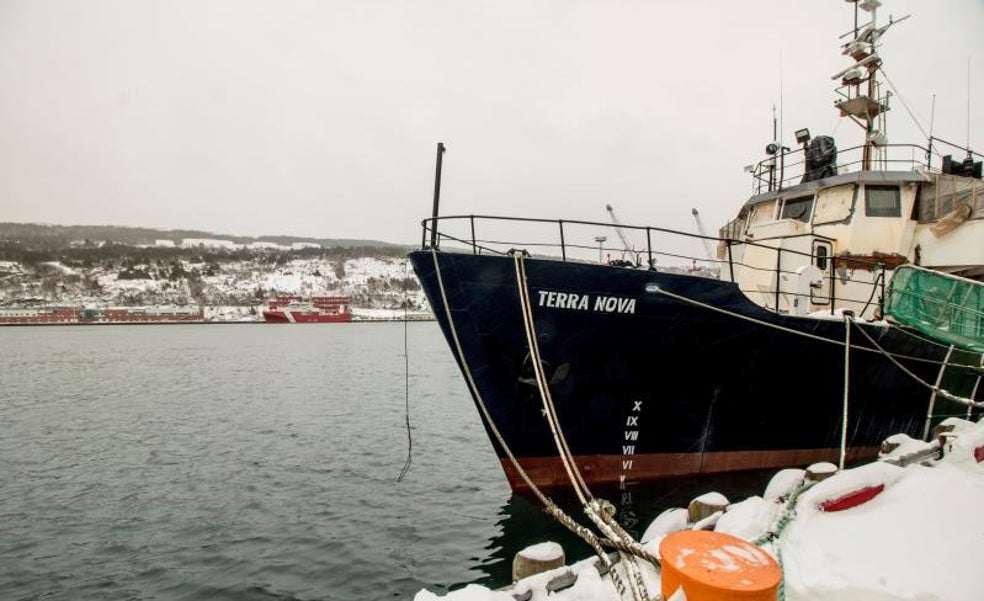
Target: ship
843,303
315,309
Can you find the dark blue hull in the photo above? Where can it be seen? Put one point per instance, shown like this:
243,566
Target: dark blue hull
648,385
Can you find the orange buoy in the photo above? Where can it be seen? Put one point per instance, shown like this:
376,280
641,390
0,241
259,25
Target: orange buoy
713,566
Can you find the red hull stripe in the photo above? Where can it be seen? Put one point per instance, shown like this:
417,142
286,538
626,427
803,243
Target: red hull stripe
548,472
278,317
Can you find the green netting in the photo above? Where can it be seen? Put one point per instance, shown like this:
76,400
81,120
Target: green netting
945,307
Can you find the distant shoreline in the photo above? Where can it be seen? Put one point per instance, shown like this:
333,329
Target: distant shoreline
205,323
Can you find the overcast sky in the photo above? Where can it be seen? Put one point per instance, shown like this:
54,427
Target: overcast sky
320,118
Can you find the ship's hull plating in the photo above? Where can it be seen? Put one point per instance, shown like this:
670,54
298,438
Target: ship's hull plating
648,386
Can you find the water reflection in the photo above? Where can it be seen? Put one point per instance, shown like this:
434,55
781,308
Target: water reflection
522,521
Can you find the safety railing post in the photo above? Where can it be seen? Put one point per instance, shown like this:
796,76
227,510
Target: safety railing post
731,262
474,245
881,298
778,275
649,247
563,248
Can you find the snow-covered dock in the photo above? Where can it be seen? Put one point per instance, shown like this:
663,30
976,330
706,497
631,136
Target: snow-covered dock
907,527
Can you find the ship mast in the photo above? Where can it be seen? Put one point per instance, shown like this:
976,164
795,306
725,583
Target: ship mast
860,91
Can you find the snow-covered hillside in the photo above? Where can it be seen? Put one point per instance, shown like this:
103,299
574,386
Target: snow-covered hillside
230,287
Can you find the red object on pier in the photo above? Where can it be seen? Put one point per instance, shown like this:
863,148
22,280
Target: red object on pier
852,499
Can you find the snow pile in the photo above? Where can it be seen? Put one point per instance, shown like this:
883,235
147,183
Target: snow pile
916,535
783,483
578,582
673,519
900,447
839,486
749,519
919,539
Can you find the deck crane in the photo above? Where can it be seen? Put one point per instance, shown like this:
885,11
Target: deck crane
700,230
618,230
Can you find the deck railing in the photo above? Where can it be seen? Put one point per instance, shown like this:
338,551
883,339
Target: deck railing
653,248
788,166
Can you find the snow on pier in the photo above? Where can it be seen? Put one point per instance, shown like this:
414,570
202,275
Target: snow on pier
907,527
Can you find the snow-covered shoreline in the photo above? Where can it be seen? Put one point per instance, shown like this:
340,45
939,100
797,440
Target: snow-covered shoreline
381,287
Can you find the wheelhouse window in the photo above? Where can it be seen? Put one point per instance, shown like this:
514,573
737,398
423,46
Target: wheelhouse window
882,201
797,208
762,213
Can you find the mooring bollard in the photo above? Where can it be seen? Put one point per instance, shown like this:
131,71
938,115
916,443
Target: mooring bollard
820,471
536,559
706,505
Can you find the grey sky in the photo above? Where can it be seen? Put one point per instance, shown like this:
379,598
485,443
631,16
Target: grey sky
320,118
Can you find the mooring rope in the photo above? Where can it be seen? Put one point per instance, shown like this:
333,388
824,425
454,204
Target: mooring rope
977,383
567,459
847,385
877,349
596,506
406,374
940,391
796,332
549,506
773,534
932,396
593,508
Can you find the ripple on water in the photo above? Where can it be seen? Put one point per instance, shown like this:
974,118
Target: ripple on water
202,463
237,463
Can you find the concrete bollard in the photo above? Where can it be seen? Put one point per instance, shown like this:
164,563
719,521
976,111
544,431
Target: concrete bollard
820,471
887,446
536,559
706,505
946,440
940,429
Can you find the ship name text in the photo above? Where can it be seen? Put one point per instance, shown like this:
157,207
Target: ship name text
586,302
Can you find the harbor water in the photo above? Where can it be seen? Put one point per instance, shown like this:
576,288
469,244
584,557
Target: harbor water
242,462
